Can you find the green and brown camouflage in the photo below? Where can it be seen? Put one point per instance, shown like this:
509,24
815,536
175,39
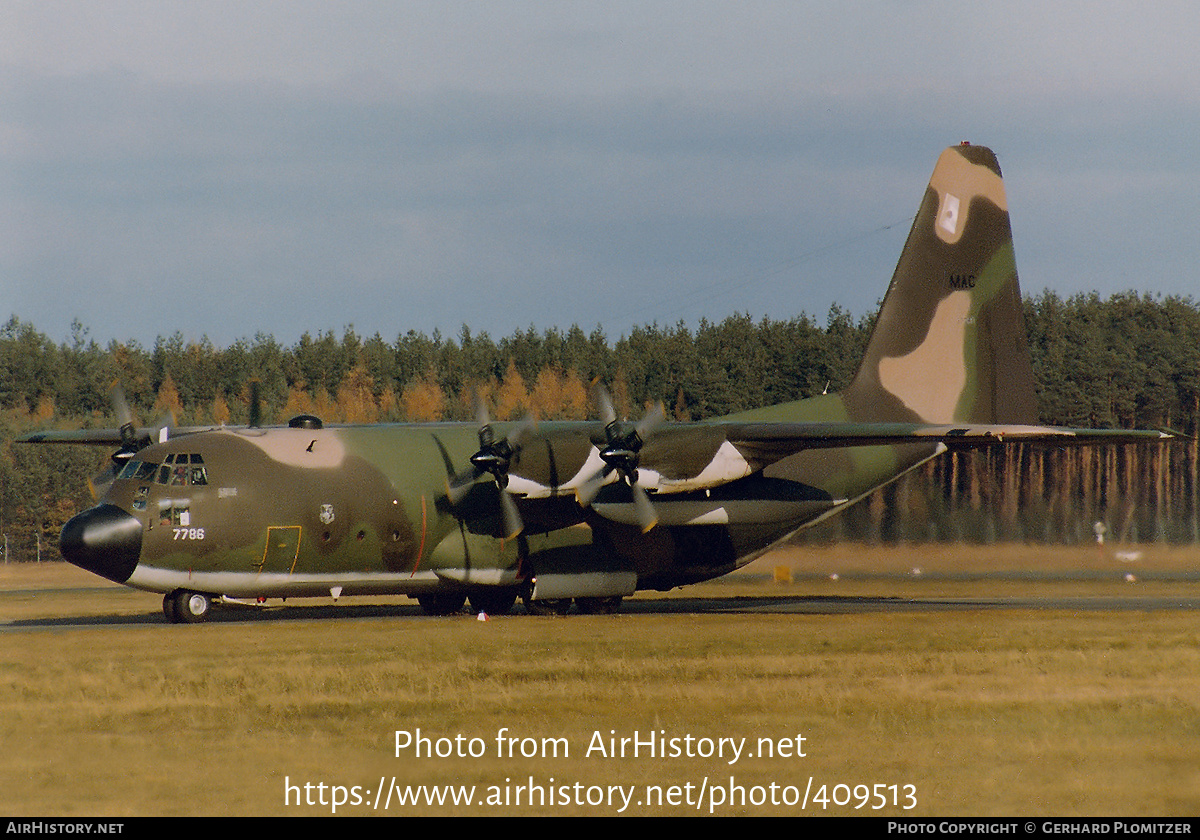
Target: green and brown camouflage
583,511
949,343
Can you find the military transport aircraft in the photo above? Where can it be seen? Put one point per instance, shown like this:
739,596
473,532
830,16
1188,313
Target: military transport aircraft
582,512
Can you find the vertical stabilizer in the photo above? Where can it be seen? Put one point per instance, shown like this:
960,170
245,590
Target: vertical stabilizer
949,344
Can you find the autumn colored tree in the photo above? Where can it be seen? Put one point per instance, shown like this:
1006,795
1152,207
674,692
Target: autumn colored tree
512,398
356,398
220,410
167,403
299,400
423,400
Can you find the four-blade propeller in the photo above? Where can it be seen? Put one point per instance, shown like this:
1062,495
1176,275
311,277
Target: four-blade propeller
494,458
622,453
132,439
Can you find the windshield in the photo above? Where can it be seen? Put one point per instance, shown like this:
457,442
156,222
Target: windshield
178,469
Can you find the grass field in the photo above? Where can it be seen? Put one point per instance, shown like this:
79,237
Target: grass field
983,709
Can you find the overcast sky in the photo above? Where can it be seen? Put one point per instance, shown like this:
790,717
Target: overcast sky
230,168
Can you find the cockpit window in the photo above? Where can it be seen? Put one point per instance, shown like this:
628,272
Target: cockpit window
181,469
138,470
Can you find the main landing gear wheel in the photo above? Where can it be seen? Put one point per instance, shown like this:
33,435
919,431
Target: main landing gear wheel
493,600
185,607
442,603
599,606
548,606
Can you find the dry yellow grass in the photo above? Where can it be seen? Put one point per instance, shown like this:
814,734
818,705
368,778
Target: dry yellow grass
997,711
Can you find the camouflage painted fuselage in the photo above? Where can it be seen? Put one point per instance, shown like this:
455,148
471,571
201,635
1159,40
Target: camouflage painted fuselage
293,512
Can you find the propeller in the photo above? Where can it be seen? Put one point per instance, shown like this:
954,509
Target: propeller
493,458
623,442
130,442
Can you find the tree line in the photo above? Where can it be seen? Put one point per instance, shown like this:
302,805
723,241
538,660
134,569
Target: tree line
1126,361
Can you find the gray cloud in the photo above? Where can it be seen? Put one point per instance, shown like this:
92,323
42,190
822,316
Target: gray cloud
713,167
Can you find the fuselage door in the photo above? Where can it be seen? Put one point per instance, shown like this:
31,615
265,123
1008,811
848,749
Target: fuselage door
283,547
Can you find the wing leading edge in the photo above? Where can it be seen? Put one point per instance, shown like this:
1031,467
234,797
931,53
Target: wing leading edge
683,457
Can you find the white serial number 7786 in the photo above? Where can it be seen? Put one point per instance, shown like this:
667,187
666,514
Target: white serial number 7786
189,533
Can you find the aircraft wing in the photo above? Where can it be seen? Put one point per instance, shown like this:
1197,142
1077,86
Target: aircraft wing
110,437
93,437
685,457
775,440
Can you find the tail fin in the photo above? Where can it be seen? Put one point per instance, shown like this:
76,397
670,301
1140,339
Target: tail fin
949,344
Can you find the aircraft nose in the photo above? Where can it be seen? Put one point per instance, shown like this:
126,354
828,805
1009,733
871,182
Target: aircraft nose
104,540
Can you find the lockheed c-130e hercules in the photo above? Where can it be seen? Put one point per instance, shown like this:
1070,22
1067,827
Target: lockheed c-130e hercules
581,512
